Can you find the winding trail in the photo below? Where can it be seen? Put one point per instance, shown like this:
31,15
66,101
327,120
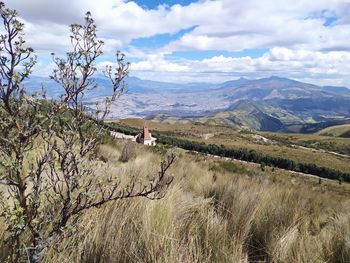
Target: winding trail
308,148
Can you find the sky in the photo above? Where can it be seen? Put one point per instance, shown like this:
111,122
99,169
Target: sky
204,40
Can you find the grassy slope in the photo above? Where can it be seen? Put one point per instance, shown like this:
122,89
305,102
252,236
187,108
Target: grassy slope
336,131
316,141
215,212
281,146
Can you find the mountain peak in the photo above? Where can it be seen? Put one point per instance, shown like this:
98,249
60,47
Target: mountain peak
279,78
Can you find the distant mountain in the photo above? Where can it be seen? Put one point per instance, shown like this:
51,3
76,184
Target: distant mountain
272,104
278,88
253,114
275,104
336,90
133,85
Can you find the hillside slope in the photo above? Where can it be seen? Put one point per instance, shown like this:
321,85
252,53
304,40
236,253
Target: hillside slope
213,212
336,131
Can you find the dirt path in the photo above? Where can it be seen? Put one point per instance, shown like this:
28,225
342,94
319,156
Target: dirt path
307,148
246,162
321,151
241,161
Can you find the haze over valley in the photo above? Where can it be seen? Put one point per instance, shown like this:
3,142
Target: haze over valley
270,104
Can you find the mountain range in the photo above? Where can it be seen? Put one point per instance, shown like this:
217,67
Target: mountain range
269,104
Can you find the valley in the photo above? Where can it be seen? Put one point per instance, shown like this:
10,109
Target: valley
270,104
304,148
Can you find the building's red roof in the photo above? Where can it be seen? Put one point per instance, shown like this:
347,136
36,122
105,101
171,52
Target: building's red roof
146,134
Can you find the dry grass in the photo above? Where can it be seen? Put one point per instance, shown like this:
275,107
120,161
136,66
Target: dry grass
335,131
3,249
231,137
211,215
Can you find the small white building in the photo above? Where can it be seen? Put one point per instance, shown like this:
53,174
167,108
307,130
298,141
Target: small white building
146,137
119,135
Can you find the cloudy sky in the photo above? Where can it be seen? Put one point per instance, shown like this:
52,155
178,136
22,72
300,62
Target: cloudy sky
204,40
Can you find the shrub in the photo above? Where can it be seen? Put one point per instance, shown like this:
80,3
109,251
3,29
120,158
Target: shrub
128,152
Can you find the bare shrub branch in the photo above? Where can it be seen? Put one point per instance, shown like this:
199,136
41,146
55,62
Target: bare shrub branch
47,147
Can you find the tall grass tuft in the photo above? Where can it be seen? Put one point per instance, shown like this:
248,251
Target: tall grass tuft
208,215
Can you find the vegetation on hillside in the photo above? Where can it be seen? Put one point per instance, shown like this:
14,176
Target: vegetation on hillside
273,144
242,154
313,141
257,157
48,175
337,131
231,213
67,188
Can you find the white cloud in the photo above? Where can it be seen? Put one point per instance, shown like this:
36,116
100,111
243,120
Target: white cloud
300,45
158,63
323,68
222,24
237,25
119,21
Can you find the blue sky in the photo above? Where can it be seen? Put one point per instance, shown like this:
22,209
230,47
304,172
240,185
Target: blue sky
206,40
151,4
159,40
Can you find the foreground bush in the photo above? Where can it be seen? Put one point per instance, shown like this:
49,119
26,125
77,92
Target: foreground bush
232,218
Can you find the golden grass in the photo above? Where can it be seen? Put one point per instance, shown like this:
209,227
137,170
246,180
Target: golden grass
211,215
336,130
231,137
3,249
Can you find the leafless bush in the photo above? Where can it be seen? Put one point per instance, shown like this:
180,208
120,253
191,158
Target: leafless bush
128,152
47,146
